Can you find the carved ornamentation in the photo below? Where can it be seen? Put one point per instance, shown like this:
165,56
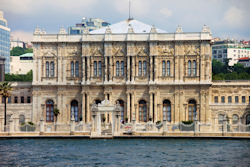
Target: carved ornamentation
191,49
118,49
141,49
96,49
165,49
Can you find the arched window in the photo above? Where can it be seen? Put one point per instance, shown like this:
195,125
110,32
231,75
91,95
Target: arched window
100,68
21,119
220,120
144,68
122,68
47,69
191,110
95,68
167,109
143,115
163,68
189,68
74,109
117,68
72,69
140,68
235,119
52,69
194,68
121,102
77,69
168,68
49,111
22,99
248,119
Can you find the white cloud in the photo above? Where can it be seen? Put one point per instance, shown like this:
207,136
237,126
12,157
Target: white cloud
166,12
234,17
22,35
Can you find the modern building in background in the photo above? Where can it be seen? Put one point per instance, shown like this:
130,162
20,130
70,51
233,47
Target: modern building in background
91,24
245,61
5,42
2,68
17,43
21,64
230,49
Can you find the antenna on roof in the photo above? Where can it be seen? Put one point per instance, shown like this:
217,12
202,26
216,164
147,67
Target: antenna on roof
130,18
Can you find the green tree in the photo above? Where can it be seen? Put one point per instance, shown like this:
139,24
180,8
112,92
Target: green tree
217,66
29,50
17,51
5,91
239,68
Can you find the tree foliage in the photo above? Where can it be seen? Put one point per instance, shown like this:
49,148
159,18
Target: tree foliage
19,77
17,51
224,72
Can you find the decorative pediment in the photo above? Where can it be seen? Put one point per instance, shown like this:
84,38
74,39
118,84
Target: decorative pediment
141,49
191,49
96,49
165,49
118,50
50,53
73,50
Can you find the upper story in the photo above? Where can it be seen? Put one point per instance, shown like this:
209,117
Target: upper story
129,52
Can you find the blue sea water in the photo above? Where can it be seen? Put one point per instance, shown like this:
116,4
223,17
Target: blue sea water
124,152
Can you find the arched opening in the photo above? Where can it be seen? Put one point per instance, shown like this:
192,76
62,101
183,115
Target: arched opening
167,109
191,110
248,119
21,119
74,109
121,102
49,111
143,114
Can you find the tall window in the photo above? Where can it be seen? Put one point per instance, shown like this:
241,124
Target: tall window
235,119
189,68
236,99
122,68
216,99
117,68
229,99
100,68
143,111
95,68
28,99
144,68
121,102
22,99
168,68
243,99
21,119
74,110
248,119
16,99
52,69
191,110
163,68
140,68
72,69
167,109
222,99
194,68
77,69
47,69
220,120
49,111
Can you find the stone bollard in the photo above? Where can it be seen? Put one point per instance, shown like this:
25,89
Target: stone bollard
72,125
41,126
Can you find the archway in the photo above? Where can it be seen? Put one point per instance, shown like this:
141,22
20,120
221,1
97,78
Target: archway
143,113
75,109
49,111
167,110
123,114
191,110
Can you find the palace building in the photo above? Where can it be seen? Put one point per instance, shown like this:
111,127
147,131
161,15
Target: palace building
150,72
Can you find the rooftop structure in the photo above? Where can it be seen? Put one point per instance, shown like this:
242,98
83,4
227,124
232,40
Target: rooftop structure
5,42
245,61
91,24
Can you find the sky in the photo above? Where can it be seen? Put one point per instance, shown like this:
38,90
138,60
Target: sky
226,18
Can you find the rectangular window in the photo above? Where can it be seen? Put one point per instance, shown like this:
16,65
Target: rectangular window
236,99
122,68
95,68
22,99
28,99
222,99
229,99
9,99
144,68
243,99
16,99
216,99
100,68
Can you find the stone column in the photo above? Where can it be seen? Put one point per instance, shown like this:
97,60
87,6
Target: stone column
172,113
83,69
88,69
42,126
64,74
72,125
83,108
133,68
181,68
39,72
151,106
128,106
225,124
151,68
128,68
88,110
156,75
105,69
110,69
156,107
